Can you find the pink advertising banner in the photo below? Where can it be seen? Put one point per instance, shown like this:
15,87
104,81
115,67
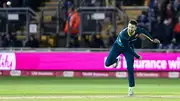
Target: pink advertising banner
94,61
7,61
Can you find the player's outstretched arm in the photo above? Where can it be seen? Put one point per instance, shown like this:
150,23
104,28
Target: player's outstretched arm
145,33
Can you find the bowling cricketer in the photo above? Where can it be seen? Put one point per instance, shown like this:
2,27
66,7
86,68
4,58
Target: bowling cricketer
124,45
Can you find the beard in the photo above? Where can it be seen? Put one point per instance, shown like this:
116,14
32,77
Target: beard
131,32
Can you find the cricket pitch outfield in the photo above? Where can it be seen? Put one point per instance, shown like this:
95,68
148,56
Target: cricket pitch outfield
86,89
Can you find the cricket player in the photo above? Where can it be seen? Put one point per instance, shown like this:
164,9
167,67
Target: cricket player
124,45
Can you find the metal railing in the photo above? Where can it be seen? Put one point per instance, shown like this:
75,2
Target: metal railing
28,12
32,12
92,10
118,12
60,12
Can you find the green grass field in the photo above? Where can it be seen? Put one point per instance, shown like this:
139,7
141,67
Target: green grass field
86,89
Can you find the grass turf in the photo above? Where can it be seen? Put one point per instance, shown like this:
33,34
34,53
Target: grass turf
44,86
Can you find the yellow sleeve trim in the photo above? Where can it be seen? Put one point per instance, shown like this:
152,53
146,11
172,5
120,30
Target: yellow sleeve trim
148,37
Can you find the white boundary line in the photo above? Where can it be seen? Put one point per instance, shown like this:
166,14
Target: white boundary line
87,97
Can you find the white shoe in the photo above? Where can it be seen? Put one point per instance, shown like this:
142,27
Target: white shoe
117,63
130,92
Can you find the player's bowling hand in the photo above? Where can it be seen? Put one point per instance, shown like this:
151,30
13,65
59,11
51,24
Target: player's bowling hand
136,36
156,41
140,58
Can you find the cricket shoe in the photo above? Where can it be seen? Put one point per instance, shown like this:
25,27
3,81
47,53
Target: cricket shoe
117,63
130,92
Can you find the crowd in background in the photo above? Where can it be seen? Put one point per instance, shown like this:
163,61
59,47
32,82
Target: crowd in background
162,19
10,40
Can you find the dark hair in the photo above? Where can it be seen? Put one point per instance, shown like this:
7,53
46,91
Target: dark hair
133,22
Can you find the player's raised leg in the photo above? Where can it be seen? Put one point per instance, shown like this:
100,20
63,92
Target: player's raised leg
130,62
113,58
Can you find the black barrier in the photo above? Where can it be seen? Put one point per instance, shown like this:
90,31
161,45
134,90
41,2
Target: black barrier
14,17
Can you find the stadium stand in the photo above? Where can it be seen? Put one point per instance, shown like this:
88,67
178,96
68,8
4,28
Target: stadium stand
53,14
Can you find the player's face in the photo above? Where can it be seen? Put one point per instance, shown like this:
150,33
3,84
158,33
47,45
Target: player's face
131,28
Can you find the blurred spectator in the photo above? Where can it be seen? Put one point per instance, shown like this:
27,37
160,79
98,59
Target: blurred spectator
169,21
72,26
112,38
176,5
158,31
8,40
87,40
3,3
162,15
155,8
143,20
177,34
67,5
167,13
97,42
154,16
32,42
17,43
163,29
177,8
154,3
